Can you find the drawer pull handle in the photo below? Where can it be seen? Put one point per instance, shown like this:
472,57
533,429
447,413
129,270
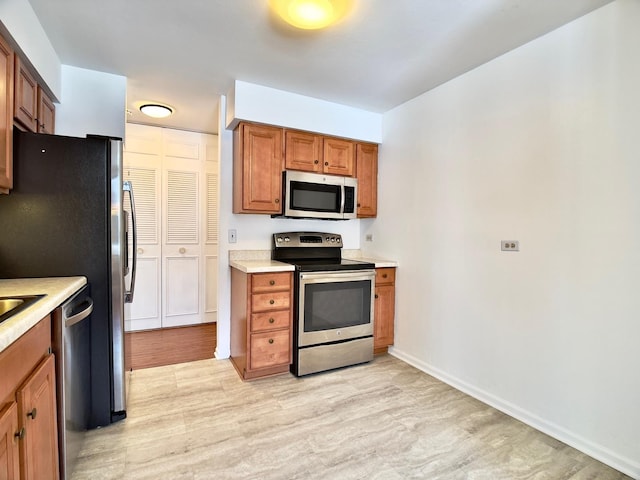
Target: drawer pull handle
271,340
182,250
272,301
20,434
376,295
33,414
271,320
384,275
272,282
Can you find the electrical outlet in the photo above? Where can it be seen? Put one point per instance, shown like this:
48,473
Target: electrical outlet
510,245
233,235
368,237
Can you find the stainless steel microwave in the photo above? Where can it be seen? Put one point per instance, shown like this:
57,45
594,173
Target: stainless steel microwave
314,195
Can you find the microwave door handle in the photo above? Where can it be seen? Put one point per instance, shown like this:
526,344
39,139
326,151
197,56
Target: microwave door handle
128,295
343,192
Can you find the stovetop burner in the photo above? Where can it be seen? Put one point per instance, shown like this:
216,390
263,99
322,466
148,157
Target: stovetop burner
314,251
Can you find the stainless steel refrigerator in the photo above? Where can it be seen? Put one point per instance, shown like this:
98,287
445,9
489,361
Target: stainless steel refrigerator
65,217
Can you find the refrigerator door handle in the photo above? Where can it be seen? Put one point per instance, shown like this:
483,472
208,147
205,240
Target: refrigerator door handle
128,294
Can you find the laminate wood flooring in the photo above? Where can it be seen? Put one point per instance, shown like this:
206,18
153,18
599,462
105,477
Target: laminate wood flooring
383,420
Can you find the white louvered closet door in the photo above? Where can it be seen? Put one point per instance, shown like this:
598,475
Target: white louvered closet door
181,250
175,180
142,167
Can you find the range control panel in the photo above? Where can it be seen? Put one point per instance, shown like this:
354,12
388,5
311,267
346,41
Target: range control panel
307,239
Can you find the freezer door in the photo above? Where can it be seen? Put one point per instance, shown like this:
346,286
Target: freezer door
118,247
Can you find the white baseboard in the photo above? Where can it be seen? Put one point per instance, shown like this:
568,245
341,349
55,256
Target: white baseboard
600,453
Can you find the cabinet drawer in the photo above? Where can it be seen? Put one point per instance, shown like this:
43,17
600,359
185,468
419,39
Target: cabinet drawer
385,276
266,282
269,320
270,301
270,348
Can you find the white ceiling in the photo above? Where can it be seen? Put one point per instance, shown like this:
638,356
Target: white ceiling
187,52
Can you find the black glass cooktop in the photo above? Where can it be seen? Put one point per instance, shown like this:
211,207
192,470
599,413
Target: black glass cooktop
318,265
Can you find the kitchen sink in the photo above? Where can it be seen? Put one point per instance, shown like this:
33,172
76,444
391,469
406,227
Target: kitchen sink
9,306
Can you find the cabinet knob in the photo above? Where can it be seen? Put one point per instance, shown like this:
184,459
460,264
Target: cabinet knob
376,295
316,162
272,282
277,200
384,275
20,434
182,250
271,320
326,164
33,413
358,205
272,301
140,251
271,340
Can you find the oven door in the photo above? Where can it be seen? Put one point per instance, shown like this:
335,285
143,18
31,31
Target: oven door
335,306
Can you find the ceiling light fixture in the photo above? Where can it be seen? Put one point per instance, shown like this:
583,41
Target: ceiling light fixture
311,14
156,110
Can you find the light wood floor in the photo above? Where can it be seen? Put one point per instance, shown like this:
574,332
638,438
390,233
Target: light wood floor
383,420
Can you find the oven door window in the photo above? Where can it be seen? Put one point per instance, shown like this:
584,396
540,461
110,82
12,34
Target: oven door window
336,305
315,197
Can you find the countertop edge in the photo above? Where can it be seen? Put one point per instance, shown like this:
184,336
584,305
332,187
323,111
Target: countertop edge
261,266
56,291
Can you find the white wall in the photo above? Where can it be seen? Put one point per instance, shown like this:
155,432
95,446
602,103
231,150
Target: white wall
254,231
256,103
92,103
23,25
541,146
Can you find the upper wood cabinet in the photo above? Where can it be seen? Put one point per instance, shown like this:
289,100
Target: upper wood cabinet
262,152
6,116
367,173
46,112
339,156
303,151
257,168
33,108
25,107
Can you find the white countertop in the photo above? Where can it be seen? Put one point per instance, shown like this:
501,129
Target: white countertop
259,261
261,266
56,291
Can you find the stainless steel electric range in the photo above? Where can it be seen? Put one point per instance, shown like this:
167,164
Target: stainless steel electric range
334,302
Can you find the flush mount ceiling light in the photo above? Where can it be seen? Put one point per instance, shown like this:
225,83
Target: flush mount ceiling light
311,14
156,110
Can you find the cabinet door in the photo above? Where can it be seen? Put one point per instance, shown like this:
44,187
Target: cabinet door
6,116
9,468
339,157
258,169
302,151
181,245
383,318
25,108
37,414
46,113
367,173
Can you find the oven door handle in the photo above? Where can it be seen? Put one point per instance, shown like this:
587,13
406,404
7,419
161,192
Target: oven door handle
338,276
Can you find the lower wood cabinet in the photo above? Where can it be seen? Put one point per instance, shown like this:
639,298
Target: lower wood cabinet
261,323
385,303
28,424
